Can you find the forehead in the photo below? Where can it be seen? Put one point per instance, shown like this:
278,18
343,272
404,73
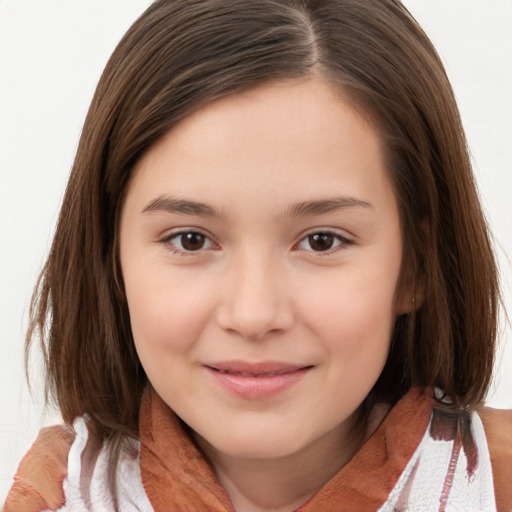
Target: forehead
283,141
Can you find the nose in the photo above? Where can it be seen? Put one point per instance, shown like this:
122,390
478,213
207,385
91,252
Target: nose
255,300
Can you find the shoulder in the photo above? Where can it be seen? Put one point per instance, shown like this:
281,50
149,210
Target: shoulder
38,482
498,431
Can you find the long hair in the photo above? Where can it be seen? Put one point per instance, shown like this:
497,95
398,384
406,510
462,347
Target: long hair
182,54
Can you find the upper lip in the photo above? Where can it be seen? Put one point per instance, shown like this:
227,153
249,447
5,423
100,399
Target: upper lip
264,368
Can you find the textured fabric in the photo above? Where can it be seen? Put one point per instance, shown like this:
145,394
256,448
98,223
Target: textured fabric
498,431
418,459
86,485
450,470
38,482
175,474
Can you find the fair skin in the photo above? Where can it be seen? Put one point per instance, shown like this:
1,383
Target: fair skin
261,250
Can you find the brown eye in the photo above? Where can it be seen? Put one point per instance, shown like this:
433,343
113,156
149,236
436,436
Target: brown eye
192,241
321,241
189,241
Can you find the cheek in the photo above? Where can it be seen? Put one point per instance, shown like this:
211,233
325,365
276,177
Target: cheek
357,335
355,311
359,331
165,314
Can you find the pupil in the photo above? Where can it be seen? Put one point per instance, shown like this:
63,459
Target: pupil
321,241
192,241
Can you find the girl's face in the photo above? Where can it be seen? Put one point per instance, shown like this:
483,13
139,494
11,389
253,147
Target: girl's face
261,249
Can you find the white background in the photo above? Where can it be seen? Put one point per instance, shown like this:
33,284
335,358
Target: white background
51,55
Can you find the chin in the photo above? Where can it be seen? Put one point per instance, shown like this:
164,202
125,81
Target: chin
264,443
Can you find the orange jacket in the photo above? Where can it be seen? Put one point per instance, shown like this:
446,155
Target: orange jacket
176,476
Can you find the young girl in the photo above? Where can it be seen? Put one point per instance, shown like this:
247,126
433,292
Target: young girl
271,285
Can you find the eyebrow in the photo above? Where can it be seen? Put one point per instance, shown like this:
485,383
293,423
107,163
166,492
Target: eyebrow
319,207
183,206
302,209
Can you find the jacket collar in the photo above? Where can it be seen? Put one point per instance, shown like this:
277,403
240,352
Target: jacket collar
177,476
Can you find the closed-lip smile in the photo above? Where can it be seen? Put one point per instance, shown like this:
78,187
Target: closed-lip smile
256,380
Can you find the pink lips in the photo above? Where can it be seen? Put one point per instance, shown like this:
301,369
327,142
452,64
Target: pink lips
256,380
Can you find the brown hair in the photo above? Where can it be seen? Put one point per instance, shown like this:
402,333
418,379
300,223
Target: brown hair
182,54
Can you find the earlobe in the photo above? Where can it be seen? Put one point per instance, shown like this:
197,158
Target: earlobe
408,303
411,293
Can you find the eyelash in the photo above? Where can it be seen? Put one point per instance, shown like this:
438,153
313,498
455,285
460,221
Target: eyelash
343,242
167,241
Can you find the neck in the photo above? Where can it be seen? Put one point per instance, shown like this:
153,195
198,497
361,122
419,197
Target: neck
285,483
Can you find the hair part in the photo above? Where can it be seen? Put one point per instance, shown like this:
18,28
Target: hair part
182,54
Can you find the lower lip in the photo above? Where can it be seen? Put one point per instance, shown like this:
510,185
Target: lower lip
258,387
